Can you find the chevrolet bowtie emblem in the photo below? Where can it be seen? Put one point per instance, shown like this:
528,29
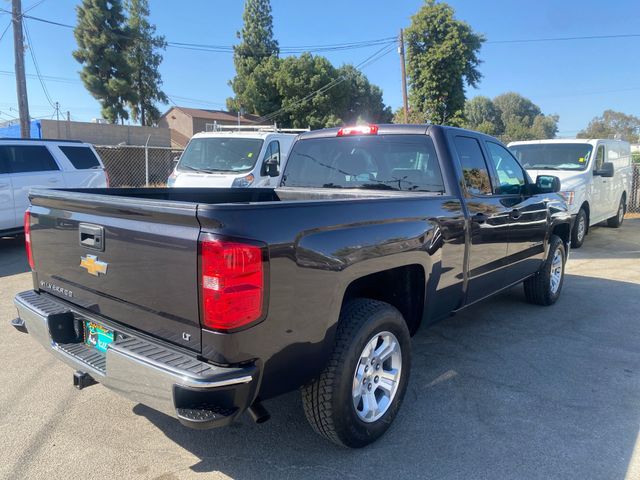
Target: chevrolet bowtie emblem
94,266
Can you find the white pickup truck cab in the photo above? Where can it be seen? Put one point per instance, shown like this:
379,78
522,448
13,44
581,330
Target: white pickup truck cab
42,163
595,177
238,157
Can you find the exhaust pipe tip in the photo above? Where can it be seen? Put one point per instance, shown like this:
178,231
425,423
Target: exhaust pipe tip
258,413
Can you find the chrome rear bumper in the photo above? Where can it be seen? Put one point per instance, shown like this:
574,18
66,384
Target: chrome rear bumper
141,369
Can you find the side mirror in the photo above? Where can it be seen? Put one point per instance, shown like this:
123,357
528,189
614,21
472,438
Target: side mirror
547,184
271,167
605,171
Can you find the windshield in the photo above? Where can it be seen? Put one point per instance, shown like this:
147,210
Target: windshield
219,154
374,162
553,156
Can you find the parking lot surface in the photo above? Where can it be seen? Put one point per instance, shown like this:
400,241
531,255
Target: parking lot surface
504,390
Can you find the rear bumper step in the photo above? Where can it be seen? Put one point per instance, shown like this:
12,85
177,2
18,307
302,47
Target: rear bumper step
151,372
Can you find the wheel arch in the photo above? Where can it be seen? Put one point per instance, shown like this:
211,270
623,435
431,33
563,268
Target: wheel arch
402,287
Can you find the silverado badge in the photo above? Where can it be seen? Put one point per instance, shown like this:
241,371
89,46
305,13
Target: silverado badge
94,266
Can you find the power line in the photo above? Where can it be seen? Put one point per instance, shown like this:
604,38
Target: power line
366,62
35,64
4,32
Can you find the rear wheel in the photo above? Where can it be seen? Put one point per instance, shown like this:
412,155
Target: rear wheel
544,287
357,396
616,221
579,229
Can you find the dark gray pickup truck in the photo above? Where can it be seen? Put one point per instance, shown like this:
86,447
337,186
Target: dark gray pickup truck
200,303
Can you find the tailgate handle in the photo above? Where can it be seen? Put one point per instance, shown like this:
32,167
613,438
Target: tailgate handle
92,236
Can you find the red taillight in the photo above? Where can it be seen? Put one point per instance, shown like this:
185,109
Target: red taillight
231,282
27,238
358,130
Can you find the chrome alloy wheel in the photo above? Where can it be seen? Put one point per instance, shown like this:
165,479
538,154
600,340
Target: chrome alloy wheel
582,228
377,377
557,270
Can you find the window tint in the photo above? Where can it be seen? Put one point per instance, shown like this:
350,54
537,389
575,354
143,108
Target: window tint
376,162
27,158
82,158
511,178
474,168
600,157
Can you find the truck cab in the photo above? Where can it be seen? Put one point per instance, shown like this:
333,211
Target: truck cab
239,156
595,175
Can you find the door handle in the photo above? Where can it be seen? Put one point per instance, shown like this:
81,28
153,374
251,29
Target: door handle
53,180
480,218
515,214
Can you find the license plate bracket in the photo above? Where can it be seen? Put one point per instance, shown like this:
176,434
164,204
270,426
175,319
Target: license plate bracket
97,336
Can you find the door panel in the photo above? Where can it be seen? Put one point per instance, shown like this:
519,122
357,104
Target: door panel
7,209
488,222
527,215
599,188
30,166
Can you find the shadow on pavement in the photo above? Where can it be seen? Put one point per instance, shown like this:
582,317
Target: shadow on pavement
13,258
505,390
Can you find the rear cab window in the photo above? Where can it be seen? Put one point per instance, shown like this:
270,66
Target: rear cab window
27,158
82,158
370,162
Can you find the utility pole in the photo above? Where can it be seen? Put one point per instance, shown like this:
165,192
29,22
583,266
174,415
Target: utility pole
58,118
21,81
405,103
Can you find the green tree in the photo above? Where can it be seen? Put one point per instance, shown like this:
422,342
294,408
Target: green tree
442,56
613,123
103,40
361,101
144,59
252,90
482,115
510,117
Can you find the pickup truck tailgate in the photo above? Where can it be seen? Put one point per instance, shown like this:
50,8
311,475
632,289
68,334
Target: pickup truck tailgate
132,260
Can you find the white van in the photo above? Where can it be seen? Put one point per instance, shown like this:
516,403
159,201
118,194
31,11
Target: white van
245,157
595,175
42,163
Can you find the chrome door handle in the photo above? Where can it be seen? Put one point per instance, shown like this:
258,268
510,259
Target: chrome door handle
515,214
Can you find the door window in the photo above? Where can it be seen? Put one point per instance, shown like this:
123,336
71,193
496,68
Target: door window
600,157
474,168
27,158
271,155
510,176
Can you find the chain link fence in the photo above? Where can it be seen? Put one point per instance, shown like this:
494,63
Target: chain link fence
133,166
633,205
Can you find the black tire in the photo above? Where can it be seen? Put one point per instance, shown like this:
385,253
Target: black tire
577,233
328,400
616,221
538,289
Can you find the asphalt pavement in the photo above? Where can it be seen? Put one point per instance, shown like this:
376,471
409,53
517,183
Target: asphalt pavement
503,390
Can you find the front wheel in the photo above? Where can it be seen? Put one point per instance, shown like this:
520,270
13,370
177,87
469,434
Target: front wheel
579,229
357,396
545,286
616,221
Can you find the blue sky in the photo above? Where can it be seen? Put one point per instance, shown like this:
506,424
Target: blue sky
574,79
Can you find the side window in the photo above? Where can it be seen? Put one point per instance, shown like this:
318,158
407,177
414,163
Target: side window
271,155
511,178
599,157
29,158
82,158
4,160
474,168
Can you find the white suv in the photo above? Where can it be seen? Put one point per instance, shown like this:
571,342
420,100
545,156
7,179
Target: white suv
242,157
42,163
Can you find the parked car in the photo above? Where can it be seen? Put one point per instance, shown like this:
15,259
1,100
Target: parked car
200,303
234,157
42,163
595,175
